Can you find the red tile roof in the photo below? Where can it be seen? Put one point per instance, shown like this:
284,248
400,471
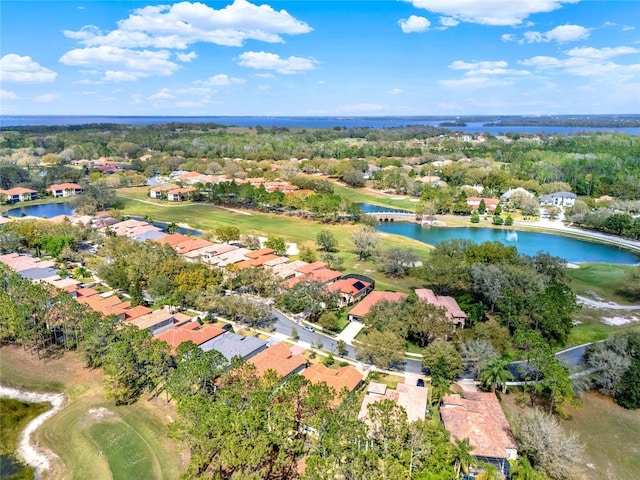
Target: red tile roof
345,377
350,286
173,239
478,417
177,335
311,267
362,308
259,253
64,186
278,358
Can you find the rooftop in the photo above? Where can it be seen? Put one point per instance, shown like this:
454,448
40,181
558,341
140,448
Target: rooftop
362,308
278,358
231,345
478,417
187,333
411,398
345,377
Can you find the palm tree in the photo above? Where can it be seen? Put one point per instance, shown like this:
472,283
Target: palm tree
489,472
496,373
462,456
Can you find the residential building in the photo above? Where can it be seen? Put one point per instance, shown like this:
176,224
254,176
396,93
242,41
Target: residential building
161,191
19,194
65,190
351,288
157,321
559,199
411,398
180,194
452,310
347,377
202,336
232,345
362,308
517,192
479,418
490,203
280,359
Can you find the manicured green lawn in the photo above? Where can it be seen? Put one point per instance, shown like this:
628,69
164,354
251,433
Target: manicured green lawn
591,328
600,279
88,422
303,232
126,451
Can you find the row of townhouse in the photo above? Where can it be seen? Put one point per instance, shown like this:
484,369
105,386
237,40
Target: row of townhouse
20,194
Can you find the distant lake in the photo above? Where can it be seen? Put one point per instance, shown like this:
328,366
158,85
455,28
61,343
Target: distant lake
571,249
299,122
46,210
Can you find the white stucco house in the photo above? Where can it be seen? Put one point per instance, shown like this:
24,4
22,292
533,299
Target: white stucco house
558,199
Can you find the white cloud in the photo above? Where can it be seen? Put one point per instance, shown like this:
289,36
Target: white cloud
272,61
588,62
601,53
395,91
222,80
263,75
22,69
186,57
363,108
6,95
448,22
626,28
414,24
489,12
163,94
120,64
184,23
46,98
560,34
474,82
508,37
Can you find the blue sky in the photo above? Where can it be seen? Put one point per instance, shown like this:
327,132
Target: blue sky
305,57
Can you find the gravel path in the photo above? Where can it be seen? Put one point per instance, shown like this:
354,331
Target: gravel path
34,455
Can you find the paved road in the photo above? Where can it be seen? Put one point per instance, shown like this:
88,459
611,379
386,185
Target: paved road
284,325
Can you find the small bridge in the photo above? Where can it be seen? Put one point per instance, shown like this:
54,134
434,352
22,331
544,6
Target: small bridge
392,216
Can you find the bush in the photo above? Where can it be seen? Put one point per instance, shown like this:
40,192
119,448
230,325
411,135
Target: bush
498,220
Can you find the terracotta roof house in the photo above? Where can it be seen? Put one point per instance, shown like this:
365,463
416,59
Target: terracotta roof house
65,189
234,256
362,308
309,267
160,191
453,312
490,203
201,336
174,239
323,276
157,321
19,194
411,398
345,377
559,199
131,228
479,417
18,263
288,270
350,289
191,244
180,194
232,345
260,252
280,359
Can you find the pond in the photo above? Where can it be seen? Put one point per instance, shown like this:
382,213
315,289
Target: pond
370,208
571,249
45,210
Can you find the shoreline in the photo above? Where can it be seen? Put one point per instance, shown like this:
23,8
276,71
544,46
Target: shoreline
31,452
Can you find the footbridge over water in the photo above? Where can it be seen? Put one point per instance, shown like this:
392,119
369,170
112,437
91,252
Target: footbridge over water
392,216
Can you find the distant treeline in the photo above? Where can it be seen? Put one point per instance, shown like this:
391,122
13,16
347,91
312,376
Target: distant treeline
569,121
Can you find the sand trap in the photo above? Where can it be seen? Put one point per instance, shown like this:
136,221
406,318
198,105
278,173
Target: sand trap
617,321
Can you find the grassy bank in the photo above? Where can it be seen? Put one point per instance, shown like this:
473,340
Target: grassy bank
600,280
90,434
14,417
303,232
608,432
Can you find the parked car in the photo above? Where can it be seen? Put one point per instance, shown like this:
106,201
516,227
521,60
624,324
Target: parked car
420,382
309,328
